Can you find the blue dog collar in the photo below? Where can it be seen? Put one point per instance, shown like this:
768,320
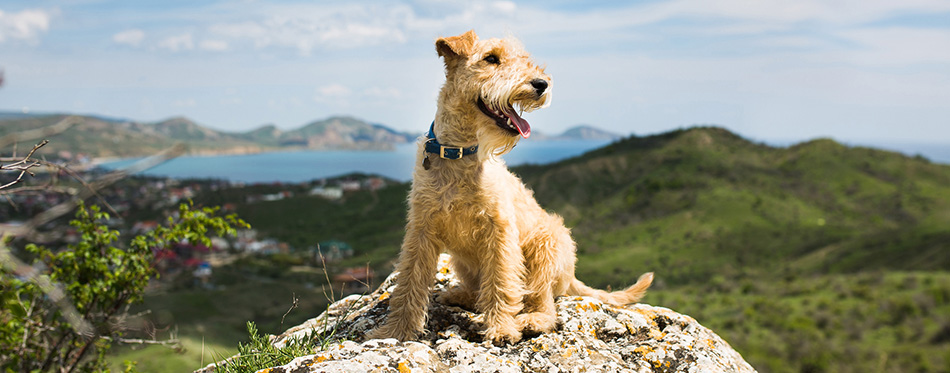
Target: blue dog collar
446,152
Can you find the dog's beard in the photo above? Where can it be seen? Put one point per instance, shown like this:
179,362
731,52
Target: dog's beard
493,143
506,113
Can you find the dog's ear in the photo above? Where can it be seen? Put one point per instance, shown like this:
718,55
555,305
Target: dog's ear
455,46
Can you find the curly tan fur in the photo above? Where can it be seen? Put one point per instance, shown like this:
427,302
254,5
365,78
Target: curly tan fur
512,257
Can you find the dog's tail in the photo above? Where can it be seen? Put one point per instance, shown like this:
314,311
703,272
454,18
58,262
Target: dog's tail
629,295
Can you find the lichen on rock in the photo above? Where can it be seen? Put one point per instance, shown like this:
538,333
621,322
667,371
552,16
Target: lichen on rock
592,336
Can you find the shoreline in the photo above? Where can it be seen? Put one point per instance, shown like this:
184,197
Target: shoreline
98,161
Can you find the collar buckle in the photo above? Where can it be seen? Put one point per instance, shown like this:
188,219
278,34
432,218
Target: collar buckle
442,149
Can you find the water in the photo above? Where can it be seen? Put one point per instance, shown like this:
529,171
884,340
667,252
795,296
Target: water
293,167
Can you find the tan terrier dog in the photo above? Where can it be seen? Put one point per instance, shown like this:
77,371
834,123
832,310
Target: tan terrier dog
511,256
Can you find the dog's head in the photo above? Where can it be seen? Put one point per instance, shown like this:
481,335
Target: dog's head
498,79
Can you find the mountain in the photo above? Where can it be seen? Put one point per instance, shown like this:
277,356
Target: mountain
90,135
181,128
267,134
587,132
103,137
580,132
344,133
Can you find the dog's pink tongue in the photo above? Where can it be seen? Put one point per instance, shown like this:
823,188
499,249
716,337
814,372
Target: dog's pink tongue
523,128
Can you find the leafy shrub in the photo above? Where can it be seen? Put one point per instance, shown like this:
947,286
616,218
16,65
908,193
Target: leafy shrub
51,330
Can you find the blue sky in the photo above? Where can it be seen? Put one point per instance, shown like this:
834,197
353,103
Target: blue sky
857,71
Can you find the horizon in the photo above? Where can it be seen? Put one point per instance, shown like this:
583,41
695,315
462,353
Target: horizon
932,150
859,73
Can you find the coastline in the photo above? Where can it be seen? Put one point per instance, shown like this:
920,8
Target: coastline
251,150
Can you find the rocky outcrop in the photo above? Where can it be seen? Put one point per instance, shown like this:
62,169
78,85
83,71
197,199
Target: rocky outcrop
591,337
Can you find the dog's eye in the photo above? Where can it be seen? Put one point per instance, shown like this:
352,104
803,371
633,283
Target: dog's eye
492,59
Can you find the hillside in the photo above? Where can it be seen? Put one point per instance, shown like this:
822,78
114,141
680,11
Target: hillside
815,257
94,136
103,137
705,202
700,203
695,204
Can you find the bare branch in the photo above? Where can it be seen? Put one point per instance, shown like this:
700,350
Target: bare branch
22,165
49,187
171,343
292,307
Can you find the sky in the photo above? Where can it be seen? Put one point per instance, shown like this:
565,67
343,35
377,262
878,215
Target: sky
771,70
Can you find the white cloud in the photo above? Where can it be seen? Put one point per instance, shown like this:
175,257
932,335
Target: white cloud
231,101
214,45
333,90
25,25
185,103
335,94
177,43
379,92
505,6
899,46
132,37
839,12
309,28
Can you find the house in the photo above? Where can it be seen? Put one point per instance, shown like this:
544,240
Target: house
331,251
330,193
350,186
375,183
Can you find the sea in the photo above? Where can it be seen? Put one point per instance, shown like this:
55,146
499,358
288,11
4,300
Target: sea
302,166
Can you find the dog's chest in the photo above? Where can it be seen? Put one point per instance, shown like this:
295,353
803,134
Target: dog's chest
464,213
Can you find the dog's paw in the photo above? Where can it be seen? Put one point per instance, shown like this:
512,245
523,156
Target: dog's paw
502,335
388,331
458,296
537,322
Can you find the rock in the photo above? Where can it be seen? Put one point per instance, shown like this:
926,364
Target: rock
591,337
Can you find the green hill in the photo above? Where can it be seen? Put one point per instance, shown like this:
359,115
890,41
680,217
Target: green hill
814,258
101,138
701,202
817,257
104,137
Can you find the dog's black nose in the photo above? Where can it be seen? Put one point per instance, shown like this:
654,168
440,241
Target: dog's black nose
539,85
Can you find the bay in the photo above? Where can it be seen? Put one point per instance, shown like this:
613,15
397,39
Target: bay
300,166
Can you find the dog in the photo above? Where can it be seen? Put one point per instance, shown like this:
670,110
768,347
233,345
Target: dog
511,256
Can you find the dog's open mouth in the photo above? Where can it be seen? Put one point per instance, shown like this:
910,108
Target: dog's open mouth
507,118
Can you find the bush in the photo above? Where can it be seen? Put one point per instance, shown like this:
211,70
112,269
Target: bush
48,329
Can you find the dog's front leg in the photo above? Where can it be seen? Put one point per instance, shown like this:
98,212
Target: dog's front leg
410,299
501,288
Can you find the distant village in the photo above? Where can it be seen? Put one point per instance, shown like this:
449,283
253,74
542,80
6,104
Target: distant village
137,205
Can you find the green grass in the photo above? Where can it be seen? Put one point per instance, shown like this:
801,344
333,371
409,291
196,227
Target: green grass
874,321
195,353
211,323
